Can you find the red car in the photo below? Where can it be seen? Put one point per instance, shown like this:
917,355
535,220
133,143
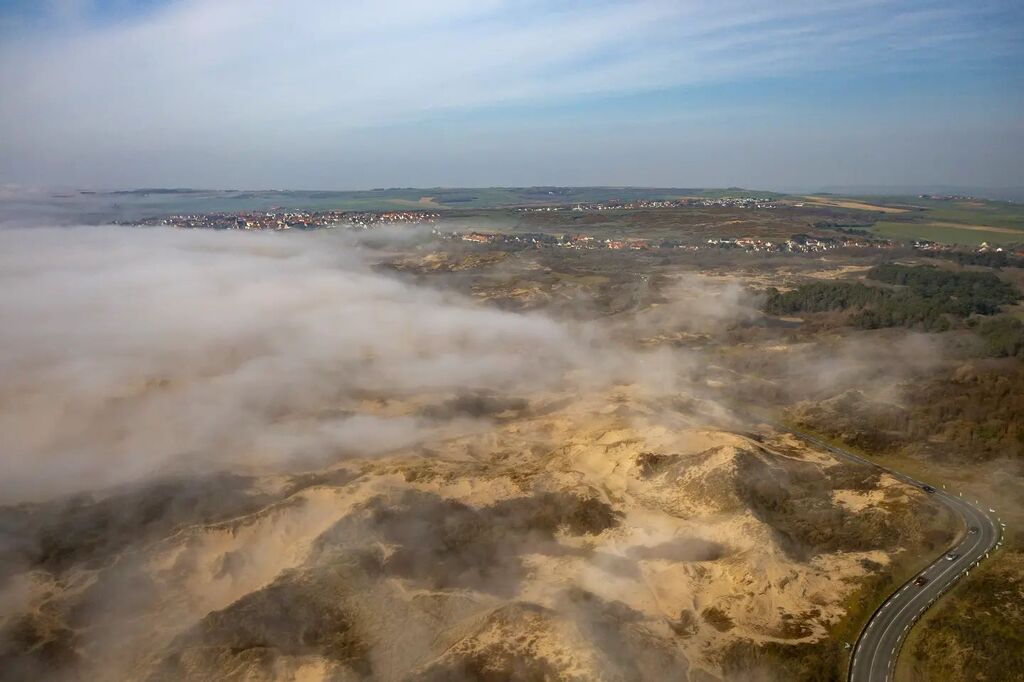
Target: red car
920,581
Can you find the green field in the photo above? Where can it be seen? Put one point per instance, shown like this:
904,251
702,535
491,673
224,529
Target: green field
946,233
980,212
967,222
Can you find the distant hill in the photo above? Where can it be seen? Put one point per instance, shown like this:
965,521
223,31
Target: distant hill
94,206
444,197
992,193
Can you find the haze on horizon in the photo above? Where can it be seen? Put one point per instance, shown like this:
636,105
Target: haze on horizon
323,95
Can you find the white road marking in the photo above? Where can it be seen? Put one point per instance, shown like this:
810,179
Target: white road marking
952,565
967,512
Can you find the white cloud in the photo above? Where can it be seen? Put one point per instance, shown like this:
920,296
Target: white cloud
225,74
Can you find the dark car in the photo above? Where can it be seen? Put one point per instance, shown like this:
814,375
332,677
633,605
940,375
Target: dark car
927,488
972,530
920,581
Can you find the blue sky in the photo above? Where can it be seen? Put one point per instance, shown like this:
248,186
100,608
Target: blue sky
354,94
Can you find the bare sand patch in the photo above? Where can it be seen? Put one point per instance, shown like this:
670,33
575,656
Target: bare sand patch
980,228
856,500
422,202
848,203
839,272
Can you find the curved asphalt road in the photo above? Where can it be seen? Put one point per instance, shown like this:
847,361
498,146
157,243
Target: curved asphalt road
874,655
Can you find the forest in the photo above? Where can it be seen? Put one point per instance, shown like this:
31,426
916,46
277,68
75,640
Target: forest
922,297
1003,336
989,259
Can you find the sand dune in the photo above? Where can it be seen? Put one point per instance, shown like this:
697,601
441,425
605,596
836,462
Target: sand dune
631,545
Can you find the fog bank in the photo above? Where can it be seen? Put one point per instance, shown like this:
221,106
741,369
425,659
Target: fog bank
135,352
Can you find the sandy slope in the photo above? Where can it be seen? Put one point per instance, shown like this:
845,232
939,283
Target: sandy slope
600,539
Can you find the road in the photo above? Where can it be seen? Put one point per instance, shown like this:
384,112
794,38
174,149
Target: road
876,650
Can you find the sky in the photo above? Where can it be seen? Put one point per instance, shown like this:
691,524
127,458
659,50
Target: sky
356,94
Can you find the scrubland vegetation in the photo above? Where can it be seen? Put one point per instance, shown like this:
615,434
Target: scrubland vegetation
977,633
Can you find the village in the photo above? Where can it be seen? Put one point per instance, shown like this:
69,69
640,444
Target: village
280,220
689,202
798,243
289,220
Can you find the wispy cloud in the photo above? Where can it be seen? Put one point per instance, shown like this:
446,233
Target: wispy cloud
211,71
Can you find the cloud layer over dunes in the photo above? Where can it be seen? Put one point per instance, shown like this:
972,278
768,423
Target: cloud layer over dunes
298,460
128,355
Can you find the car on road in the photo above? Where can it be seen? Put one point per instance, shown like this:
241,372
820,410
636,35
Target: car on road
952,556
973,530
927,488
920,581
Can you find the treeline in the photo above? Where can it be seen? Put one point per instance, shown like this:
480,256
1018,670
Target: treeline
990,259
926,297
843,225
853,229
963,293
819,297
